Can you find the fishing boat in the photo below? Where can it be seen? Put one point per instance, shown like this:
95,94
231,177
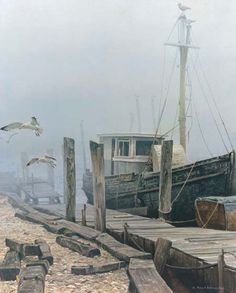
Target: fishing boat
132,176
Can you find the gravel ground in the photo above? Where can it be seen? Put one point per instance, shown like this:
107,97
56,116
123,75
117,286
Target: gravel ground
59,278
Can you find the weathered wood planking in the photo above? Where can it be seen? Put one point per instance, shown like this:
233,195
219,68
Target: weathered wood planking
165,183
119,250
70,178
97,158
144,277
191,246
10,267
31,279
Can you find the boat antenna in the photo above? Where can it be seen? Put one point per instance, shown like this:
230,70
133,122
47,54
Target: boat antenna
153,114
183,44
138,114
131,121
82,144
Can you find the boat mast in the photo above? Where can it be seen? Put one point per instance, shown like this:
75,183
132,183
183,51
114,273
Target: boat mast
184,45
183,61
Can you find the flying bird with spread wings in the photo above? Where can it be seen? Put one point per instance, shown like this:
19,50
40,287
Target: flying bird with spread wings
46,159
32,125
182,7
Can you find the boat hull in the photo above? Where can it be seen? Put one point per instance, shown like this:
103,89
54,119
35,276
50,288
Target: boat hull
212,177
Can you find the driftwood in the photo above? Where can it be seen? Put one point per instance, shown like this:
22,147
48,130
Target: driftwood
90,269
31,280
10,266
44,251
144,277
162,252
75,245
44,263
24,249
77,229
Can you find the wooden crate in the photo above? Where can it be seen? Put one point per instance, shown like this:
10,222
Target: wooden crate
216,212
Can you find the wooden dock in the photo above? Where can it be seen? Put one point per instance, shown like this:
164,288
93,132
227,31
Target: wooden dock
194,251
36,190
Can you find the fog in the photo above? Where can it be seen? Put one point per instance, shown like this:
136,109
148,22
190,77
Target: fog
67,61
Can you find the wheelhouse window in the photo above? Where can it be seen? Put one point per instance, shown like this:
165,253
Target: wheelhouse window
123,148
143,147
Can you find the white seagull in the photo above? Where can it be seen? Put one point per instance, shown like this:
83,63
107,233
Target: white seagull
32,125
46,159
182,7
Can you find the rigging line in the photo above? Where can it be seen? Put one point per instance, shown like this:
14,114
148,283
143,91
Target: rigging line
189,82
201,131
214,100
209,106
175,121
167,93
176,22
216,106
162,83
182,188
163,70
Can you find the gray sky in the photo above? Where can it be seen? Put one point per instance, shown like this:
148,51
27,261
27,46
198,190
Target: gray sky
70,60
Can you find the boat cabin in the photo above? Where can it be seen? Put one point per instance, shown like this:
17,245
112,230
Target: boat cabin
127,152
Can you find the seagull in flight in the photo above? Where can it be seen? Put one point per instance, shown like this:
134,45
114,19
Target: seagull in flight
45,159
182,7
32,125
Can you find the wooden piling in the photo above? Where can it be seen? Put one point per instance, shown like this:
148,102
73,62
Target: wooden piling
221,264
69,178
32,184
50,170
97,158
165,184
83,212
24,161
162,252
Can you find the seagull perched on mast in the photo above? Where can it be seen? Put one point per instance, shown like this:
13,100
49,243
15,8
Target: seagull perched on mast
32,125
46,159
182,7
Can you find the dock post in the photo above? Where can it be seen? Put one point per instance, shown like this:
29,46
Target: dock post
221,264
32,184
126,234
97,158
69,178
162,252
165,184
83,212
50,170
24,161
